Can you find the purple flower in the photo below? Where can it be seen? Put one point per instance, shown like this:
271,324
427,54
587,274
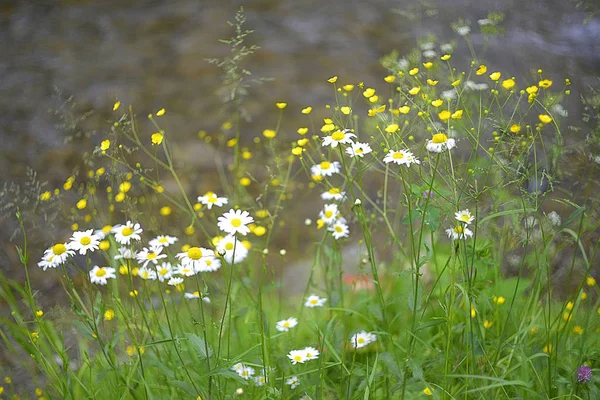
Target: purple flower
584,373
429,194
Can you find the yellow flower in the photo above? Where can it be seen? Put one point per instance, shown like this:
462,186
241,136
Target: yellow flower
39,313
348,88
583,295
302,142
281,106
245,181
389,78
157,138
481,70
373,99
160,112
391,128
455,83
532,89
165,211
457,114
345,110
515,128
302,131
116,105
297,151
260,230
369,92
548,348
495,76
508,83
105,145
431,82
437,103
159,189
428,392
578,330
545,119
487,324
414,91
269,133
545,84
109,314
499,300
306,110
45,196
534,331
444,115
227,125
404,109
428,65
445,57
473,312
333,79
81,204
125,187
232,142
328,127
413,71
246,154
104,245
567,316
570,305
590,281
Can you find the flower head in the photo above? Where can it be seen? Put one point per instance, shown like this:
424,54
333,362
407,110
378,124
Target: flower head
333,194
464,216
325,168
459,232
358,149
235,221
163,241
164,271
584,374
293,381
150,255
297,356
211,199
83,241
329,214
314,301
361,339
337,137
339,229
124,234
311,353
440,142
56,255
232,250
401,157
192,258
286,324
99,275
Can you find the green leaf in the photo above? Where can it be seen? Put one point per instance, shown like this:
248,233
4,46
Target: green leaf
199,345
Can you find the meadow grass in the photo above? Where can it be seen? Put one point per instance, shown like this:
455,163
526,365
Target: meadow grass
464,284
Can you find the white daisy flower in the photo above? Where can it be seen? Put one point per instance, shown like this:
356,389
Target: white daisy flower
325,168
260,380
175,281
293,381
440,142
459,232
329,213
151,255
297,356
211,199
333,194
124,234
164,271
286,324
401,157
185,270
47,262
463,30
232,250
464,216
339,229
193,256
246,372
314,301
311,353
125,253
147,273
99,275
359,149
237,367
235,221
337,137
83,241
361,339
196,295
57,255
209,264
163,241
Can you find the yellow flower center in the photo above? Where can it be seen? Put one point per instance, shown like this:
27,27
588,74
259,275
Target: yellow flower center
163,271
194,253
398,156
58,249
459,229
465,217
358,151
439,138
127,231
151,256
236,222
229,246
297,358
314,301
337,136
85,240
163,240
101,272
208,262
325,165
338,229
286,324
328,214
334,191
360,340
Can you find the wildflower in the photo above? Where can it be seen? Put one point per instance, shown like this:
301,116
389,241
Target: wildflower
404,109
246,372
508,83
545,84
192,258
164,271
414,91
369,92
495,76
314,301
464,216
445,57
157,138
311,353
281,106
558,109
302,131
293,381
339,229
124,253
306,110
457,114
499,300
358,149
147,273
211,199
429,194
232,250
209,264
56,255
459,232
329,213
481,70
437,103
361,339
545,119
269,133
444,115
578,330
175,281
83,241
401,157
297,356
590,281
337,137
346,110
440,142
392,128
147,255
487,324
99,275
429,54
584,374
235,221
333,194
185,270
160,112
333,79
463,30
325,168
124,234
163,241
109,314
260,380
286,324
105,145
428,392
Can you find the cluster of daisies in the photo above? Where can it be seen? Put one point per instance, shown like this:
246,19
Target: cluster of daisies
461,230
153,262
